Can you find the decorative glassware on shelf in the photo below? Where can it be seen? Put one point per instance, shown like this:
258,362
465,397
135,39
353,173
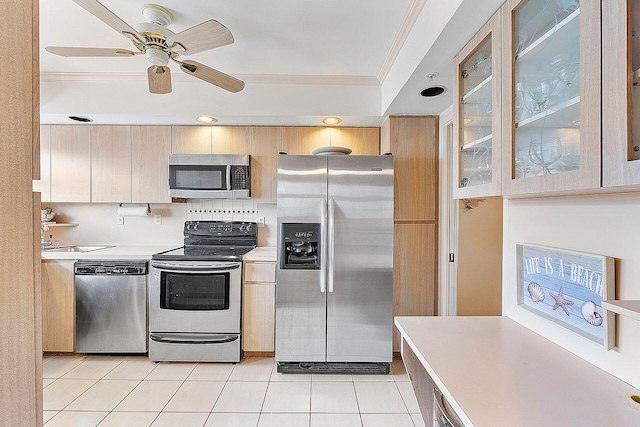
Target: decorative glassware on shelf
476,127
546,108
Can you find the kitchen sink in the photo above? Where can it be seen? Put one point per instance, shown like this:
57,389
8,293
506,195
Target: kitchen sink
82,248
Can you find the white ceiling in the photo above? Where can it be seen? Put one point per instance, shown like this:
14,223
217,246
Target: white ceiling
301,60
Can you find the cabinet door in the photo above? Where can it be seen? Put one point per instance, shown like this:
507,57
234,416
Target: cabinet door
477,116
58,306
414,272
552,96
258,317
365,141
266,143
621,84
231,139
303,140
111,164
44,186
71,163
414,144
150,149
191,140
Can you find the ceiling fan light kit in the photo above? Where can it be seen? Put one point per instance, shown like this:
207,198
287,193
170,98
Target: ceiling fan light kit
160,45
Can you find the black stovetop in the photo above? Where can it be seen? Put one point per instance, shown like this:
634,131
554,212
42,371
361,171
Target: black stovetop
213,241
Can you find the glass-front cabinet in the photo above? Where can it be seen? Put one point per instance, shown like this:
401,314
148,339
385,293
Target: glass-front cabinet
551,96
478,113
621,89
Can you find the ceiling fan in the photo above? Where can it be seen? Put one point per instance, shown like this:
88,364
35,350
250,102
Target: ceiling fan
160,45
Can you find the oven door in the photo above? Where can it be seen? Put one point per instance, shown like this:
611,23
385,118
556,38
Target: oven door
195,297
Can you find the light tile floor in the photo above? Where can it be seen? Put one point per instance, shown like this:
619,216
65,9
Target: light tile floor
87,391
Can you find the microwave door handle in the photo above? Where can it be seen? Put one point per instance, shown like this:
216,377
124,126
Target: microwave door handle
323,246
228,177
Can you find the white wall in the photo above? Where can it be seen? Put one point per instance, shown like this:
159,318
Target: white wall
599,224
97,223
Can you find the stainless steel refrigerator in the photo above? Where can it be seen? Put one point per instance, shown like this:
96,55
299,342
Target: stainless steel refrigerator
334,281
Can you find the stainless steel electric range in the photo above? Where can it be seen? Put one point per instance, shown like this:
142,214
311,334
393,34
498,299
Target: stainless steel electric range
195,294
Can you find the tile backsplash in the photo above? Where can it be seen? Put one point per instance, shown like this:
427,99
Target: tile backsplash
222,210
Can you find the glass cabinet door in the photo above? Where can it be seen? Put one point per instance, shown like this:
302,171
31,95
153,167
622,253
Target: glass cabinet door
477,116
552,125
621,88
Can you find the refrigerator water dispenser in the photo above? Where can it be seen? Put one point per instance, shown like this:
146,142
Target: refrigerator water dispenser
300,246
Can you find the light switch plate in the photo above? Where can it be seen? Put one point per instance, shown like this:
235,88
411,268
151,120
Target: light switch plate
260,221
120,220
157,219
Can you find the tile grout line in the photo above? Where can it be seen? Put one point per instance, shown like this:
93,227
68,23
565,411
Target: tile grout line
355,392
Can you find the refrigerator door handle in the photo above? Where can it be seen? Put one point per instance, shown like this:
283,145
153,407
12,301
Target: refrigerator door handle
332,242
323,246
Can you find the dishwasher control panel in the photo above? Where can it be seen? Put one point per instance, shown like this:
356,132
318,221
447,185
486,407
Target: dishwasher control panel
107,268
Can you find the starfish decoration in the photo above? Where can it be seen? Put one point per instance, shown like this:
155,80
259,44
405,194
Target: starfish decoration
561,301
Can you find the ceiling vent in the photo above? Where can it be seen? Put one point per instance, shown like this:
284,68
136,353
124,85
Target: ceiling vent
433,91
81,119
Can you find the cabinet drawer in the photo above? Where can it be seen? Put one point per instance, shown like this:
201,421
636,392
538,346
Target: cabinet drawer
260,272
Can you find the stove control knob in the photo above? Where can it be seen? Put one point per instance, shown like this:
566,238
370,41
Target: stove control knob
249,227
196,226
242,226
188,226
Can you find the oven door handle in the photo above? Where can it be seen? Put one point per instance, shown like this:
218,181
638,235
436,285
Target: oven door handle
195,269
192,338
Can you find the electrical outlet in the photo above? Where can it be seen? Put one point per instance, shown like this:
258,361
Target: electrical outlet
260,221
157,219
120,220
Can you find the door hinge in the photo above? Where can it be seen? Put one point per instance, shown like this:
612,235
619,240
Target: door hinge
451,257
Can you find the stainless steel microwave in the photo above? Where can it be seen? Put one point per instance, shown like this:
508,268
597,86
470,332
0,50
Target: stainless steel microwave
209,176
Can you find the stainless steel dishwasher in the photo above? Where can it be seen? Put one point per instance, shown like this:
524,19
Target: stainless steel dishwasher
111,306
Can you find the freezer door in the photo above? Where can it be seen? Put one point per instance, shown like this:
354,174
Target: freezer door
300,295
360,273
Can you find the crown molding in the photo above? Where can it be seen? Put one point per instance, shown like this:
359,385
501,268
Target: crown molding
413,13
284,79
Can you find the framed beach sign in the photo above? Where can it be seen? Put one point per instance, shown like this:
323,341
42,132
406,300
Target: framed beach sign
567,288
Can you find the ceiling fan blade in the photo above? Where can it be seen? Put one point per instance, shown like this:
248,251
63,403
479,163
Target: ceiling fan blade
159,79
98,10
204,36
212,76
87,51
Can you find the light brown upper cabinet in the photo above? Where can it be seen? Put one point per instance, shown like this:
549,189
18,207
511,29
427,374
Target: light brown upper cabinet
231,139
70,163
111,164
477,114
44,185
303,140
621,86
365,141
551,96
191,140
413,141
266,143
150,149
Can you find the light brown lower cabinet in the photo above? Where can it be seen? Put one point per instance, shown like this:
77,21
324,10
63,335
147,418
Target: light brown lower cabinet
58,306
421,382
414,272
258,307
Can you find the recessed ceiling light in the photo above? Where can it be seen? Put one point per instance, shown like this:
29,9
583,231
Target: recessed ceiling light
331,121
207,120
81,119
433,91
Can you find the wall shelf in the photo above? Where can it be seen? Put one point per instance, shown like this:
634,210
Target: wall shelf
629,308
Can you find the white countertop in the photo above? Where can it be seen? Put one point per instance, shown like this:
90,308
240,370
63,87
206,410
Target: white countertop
496,372
262,253
113,252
